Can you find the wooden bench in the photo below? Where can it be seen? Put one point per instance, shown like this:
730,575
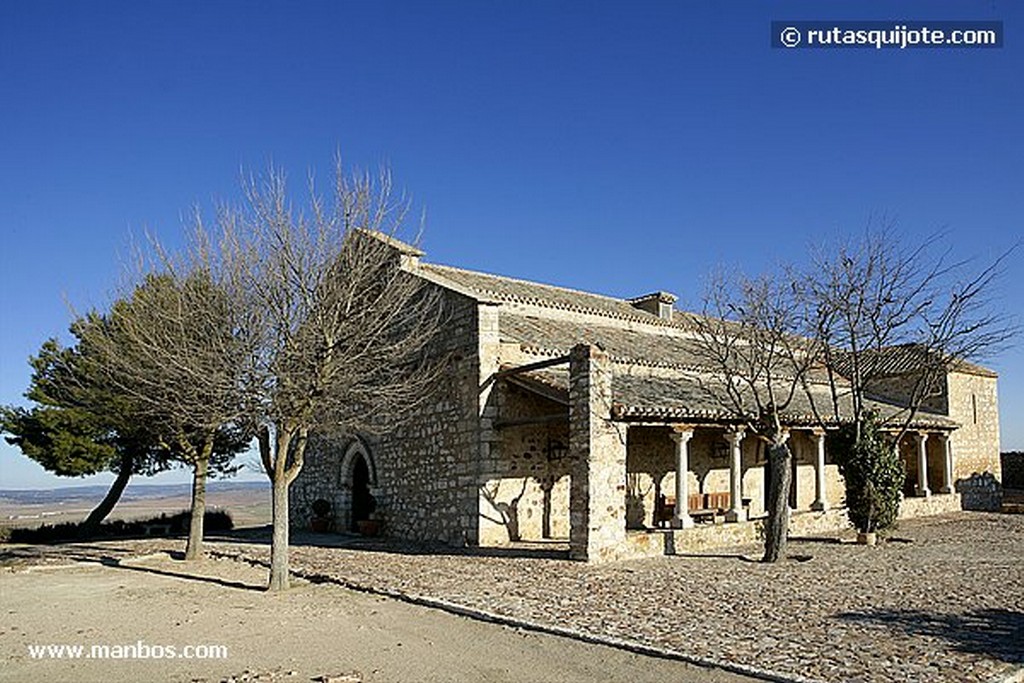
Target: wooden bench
702,507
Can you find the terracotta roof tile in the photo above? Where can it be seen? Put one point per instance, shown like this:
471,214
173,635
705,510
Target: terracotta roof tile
904,359
683,399
499,288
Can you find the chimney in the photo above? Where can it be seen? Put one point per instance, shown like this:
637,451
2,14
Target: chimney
658,303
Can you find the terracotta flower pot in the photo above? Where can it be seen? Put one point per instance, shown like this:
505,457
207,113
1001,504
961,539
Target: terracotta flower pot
869,538
368,527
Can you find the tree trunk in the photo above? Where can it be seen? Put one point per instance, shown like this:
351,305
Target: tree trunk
194,549
279,541
124,473
776,527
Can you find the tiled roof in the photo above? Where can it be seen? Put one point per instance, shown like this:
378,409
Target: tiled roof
551,383
653,343
908,358
505,289
392,241
683,399
643,347
895,360
660,398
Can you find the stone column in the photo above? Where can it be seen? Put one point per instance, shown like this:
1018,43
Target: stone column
922,465
736,512
820,496
947,464
597,496
682,519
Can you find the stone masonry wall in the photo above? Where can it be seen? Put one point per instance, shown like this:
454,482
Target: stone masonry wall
325,476
973,402
650,470
597,448
426,468
901,387
527,497
980,491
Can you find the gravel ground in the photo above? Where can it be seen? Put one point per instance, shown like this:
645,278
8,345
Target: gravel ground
942,600
239,633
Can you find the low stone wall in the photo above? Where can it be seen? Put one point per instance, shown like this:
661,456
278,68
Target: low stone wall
699,539
707,537
932,505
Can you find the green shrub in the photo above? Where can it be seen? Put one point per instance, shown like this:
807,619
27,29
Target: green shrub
873,473
164,525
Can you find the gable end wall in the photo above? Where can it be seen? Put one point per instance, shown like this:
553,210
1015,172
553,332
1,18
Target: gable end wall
973,402
427,469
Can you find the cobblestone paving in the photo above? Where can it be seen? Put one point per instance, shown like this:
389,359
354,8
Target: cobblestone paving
943,600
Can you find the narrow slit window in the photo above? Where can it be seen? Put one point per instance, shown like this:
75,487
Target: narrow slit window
974,407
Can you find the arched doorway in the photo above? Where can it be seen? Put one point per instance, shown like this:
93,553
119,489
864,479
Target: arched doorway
357,479
363,502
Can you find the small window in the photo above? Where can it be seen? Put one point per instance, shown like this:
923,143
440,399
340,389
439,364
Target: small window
974,407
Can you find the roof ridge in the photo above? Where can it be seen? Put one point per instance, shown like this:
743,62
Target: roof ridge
633,314
520,280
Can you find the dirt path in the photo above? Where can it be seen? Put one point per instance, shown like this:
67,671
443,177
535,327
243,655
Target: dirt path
309,632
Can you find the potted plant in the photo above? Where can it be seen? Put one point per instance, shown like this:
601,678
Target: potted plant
322,520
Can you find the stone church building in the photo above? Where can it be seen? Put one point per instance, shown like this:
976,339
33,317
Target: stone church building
574,417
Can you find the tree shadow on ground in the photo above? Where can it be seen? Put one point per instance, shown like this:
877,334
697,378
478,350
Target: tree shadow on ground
717,556
831,540
995,632
184,574
29,555
550,549
124,558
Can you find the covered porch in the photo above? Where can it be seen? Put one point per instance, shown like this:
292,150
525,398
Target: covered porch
720,472
666,480
667,477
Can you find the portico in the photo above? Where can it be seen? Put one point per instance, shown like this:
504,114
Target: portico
928,456
738,499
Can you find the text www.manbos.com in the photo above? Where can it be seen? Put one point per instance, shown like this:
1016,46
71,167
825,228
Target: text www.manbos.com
879,35
137,650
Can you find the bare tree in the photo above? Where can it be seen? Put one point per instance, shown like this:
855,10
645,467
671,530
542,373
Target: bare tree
877,306
177,348
881,309
343,332
748,339
864,309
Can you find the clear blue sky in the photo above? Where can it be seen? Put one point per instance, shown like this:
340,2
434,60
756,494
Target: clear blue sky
616,147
